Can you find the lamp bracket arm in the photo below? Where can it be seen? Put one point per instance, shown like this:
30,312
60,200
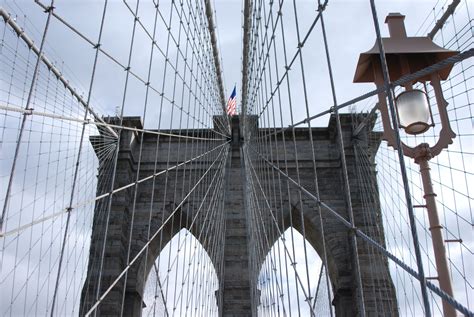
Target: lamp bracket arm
446,135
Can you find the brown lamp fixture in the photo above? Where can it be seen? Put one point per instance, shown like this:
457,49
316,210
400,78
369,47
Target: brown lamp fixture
405,56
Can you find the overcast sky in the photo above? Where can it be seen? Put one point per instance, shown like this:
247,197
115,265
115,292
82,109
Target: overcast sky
349,26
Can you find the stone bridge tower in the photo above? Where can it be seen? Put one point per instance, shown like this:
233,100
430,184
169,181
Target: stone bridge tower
234,297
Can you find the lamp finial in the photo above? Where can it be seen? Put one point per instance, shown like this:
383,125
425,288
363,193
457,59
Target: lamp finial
396,25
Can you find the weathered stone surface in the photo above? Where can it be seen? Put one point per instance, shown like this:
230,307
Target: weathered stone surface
234,299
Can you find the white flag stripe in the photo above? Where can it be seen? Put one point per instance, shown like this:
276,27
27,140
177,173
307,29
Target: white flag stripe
231,105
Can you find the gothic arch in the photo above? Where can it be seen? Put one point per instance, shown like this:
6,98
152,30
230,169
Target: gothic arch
169,231
175,218
338,266
172,248
271,277
236,293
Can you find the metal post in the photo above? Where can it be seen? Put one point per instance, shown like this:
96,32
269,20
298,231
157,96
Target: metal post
424,155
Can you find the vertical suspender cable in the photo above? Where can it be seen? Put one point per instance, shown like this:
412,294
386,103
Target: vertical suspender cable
23,122
401,160
347,188
76,171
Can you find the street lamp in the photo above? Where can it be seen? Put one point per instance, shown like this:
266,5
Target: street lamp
404,56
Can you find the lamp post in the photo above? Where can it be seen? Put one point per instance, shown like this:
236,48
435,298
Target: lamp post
404,56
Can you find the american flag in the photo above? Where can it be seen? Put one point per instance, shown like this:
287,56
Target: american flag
232,103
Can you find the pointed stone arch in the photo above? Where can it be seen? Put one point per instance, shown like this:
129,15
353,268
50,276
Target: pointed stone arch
337,249
235,295
156,209
146,224
277,262
183,241
179,222
304,211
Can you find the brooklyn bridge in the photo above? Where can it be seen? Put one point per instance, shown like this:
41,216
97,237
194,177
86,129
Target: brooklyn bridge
334,181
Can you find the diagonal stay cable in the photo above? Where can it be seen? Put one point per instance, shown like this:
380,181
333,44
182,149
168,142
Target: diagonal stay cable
102,123
179,51
460,307
38,51
388,94
23,121
402,80
193,222
97,198
345,174
145,246
279,232
272,262
179,246
161,289
78,163
121,65
318,286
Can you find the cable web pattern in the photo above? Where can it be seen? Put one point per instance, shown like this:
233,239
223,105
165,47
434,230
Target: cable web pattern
69,173
451,176
280,89
126,189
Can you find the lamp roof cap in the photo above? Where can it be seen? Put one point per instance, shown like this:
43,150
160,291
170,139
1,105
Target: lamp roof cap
419,53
